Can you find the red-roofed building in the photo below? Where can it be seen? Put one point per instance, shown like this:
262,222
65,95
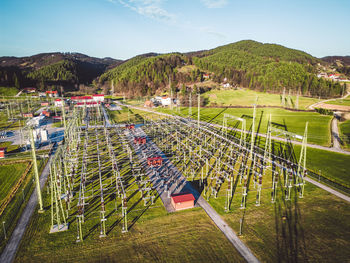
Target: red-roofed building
58,103
52,93
2,152
44,103
182,201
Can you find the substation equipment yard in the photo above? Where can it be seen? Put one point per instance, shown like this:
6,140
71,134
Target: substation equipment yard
102,171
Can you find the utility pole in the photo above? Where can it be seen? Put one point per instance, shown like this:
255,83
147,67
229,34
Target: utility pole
36,173
284,96
199,109
112,87
297,102
171,94
63,114
190,105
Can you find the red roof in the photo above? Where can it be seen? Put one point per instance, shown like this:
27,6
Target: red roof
98,95
179,198
81,98
2,149
57,99
51,91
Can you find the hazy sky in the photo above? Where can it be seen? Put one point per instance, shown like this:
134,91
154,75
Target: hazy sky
125,28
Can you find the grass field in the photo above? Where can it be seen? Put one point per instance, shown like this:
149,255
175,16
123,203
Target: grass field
318,128
313,229
343,102
9,174
8,91
344,128
188,236
332,165
245,97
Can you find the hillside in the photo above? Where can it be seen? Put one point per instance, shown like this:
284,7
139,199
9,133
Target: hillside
64,69
247,63
339,63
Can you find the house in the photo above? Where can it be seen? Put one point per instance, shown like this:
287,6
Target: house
148,104
206,76
2,152
164,100
29,90
52,93
182,201
42,94
98,97
226,85
45,103
58,103
82,99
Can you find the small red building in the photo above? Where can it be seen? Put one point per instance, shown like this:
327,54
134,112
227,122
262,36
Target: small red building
154,161
28,115
130,126
140,140
46,113
182,201
44,104
2,152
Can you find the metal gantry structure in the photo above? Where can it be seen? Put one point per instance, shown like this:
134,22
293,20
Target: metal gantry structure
220,160
94,173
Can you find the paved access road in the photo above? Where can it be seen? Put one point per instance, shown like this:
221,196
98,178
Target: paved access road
8,255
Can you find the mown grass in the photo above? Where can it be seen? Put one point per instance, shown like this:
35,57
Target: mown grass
8,91
318,127
188,236
315,228
245,97
344,128
9,174
342,102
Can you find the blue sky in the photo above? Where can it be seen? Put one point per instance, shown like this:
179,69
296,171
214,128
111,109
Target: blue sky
125,28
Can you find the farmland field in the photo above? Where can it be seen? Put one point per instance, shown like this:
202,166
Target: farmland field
343,102
344,128
9,174
157,236
245,97
318,128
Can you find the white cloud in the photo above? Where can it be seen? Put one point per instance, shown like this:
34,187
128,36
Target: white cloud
148,8
214,3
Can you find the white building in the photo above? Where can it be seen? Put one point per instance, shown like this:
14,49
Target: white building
164,101
58,102
98,97
36,121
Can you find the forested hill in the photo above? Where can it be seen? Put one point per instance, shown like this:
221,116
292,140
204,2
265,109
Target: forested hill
62,69
340,63
265,67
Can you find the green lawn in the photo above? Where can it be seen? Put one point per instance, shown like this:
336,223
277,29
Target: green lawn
343,102
187,236
332,165
9,174
344,128
245,97
318,128
8,91
313,229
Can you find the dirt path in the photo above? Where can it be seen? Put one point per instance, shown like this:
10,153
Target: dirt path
335,134
8,255
317,104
